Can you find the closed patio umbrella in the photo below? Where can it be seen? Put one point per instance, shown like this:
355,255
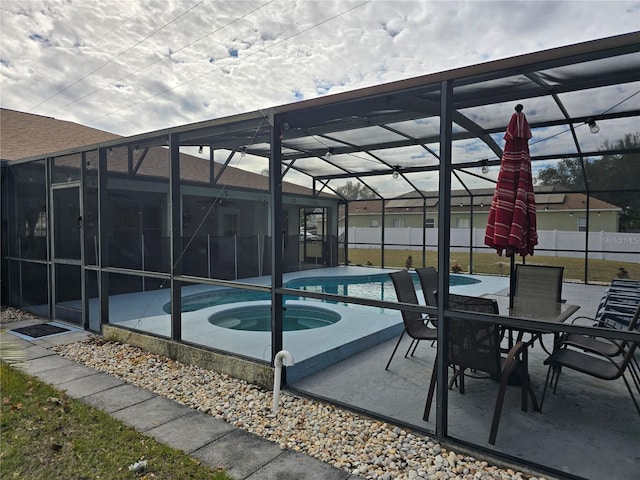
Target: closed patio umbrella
512,219
511,226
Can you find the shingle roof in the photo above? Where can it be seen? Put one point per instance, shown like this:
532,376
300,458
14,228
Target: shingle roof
24,135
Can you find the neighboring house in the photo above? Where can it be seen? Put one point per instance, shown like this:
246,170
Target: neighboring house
556,210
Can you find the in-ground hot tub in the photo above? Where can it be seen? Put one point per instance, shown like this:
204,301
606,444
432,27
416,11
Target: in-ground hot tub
257,317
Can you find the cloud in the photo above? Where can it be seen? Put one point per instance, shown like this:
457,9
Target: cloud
135,66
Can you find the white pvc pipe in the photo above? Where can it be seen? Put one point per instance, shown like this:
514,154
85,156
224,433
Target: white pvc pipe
277,375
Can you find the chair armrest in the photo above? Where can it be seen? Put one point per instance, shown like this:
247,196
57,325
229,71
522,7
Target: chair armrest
587,348
424,321
600,322
584,317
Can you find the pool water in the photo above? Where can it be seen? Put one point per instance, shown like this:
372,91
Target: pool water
257,318
376,287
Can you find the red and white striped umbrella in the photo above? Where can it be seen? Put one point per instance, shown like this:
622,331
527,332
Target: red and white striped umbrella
512,219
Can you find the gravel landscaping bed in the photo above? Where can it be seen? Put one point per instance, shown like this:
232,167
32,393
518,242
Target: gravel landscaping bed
361,446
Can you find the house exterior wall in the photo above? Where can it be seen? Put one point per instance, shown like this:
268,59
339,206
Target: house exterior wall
570,221
599,221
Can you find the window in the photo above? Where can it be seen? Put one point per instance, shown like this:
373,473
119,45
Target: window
582,224
462,223
230,224
374,223
397,223
430,223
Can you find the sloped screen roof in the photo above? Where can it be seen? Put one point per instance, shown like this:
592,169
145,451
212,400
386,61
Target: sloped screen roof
366,136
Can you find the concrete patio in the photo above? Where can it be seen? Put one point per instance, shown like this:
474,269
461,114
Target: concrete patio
590,428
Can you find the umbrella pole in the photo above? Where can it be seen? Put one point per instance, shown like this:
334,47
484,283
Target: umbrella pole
512,279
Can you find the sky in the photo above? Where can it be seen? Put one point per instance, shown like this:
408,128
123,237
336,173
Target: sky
135,66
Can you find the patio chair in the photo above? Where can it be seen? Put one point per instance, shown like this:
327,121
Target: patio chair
416,325
602,358
429,282
428,277
611,348
621,296
541,282
615,310
474,344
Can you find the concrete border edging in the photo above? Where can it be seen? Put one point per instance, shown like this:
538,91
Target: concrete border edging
243,369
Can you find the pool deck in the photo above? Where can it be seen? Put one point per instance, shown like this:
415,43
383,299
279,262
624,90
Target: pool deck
360,328
589,428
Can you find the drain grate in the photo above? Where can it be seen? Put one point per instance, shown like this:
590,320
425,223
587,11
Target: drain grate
40,330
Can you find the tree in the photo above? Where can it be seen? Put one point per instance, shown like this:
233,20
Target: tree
611,178
355,191
566,173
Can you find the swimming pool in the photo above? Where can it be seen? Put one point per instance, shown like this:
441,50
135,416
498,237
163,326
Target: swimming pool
257,318
360,327
377,286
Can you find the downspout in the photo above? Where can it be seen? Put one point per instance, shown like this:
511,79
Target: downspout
277,375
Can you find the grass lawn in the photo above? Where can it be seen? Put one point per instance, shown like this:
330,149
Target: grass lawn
47,435
492,264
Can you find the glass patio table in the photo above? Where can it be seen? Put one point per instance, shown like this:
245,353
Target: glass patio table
537,309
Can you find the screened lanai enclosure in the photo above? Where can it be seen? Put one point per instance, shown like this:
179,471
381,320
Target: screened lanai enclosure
236,236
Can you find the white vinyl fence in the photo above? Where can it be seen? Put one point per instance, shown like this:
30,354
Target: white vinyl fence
602,245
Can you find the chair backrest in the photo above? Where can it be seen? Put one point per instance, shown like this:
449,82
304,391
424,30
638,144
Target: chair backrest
429,282
406,293
634,324
625,283
539,281
473,343
629,348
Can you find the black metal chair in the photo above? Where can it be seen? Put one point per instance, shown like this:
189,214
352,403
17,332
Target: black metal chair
601,358
616,310
475,344
416,325
428,277
429,282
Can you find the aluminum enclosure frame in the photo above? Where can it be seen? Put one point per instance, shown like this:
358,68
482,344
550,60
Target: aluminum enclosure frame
295,135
